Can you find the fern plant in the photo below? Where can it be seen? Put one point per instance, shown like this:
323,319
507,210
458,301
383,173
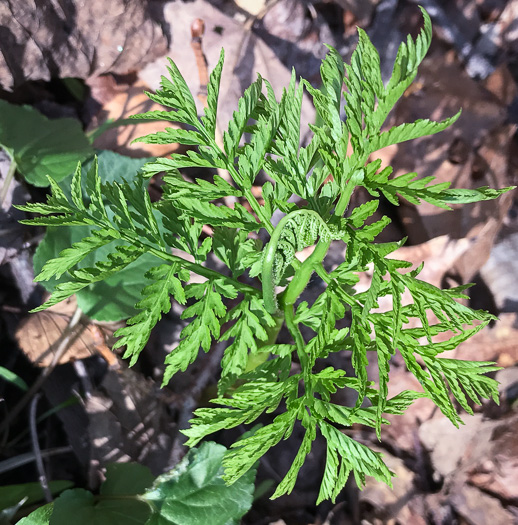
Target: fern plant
323,175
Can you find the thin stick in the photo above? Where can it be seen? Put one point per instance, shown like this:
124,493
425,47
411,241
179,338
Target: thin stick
7,182
37,451
28,457
197,30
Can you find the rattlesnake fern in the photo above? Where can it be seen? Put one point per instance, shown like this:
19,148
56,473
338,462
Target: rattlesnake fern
288,375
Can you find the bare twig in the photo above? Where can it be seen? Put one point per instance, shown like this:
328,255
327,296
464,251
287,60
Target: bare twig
332,512
28,457
7,182
37,451
81,372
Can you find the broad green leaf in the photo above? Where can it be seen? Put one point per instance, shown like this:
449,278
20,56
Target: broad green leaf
39,146
195,493
127,479
80,507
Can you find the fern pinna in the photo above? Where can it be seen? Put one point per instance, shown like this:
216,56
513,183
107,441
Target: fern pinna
323,176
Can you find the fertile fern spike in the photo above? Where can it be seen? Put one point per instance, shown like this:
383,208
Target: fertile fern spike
259,374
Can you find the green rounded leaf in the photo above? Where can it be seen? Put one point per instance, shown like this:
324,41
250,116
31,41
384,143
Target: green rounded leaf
126,478
11,495
194,492
40,146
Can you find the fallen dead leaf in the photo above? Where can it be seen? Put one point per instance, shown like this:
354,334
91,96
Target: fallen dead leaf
447,444
402,431
500,273
253,7
38,335
496,471
494,343
501,84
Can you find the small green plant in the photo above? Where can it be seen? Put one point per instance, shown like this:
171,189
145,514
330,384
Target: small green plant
192,493
124,217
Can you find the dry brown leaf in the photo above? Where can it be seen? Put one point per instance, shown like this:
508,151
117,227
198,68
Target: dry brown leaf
448,445
402,431
479,508
496,471
500,273
496,343
38,334
253,7
45,40
501,84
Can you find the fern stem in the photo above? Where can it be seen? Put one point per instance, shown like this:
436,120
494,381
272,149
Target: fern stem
269,296
295,288
293,327
194,267
301,279
350,185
